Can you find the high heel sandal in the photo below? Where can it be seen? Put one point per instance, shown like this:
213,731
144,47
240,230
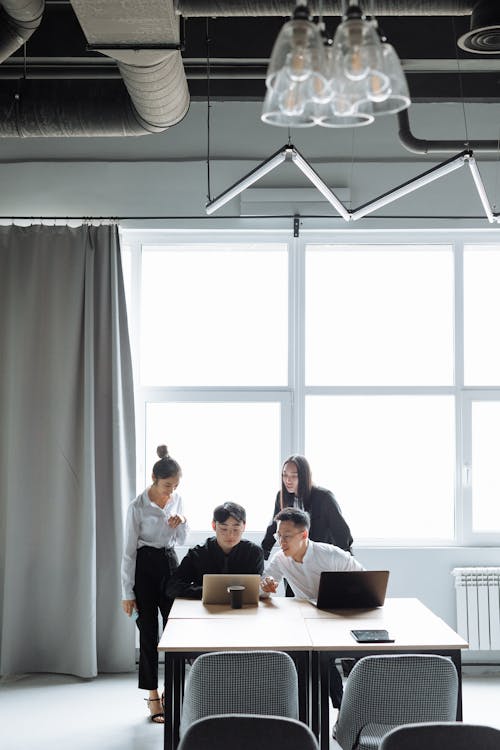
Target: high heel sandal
155,718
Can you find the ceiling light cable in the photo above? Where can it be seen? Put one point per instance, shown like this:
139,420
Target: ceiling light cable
207,41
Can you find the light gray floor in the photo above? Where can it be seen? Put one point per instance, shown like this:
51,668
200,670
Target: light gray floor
56,712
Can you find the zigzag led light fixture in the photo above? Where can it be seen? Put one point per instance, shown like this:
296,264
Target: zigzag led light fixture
290,153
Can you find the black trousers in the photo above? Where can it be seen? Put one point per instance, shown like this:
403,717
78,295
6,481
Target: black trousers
152,571
336,686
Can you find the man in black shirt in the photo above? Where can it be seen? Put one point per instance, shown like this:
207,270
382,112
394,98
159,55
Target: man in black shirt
227,552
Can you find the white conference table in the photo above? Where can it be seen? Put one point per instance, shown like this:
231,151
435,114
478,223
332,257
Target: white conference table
311,636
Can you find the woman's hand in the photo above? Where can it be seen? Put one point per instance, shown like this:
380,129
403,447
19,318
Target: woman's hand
176,520
128,606
269,585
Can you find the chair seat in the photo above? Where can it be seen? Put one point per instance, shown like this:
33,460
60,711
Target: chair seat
371,735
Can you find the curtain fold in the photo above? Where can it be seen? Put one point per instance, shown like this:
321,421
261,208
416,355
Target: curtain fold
67,450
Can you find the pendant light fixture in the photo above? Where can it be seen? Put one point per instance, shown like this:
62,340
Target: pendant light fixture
344,82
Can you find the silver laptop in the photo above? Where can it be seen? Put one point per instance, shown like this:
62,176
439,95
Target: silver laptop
215,587
352,589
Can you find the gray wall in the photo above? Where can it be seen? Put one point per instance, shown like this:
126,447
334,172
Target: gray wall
165,175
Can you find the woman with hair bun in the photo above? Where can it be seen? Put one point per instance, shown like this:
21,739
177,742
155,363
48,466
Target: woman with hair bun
155,524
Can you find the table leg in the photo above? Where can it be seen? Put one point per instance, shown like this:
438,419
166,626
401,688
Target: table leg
324,699
168,738
315,708
178,689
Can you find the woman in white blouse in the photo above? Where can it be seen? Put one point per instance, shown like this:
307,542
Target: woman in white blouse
155,524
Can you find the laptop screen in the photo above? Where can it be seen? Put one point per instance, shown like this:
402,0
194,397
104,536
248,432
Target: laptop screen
352,589
215,587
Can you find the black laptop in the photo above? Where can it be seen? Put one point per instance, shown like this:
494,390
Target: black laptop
352,589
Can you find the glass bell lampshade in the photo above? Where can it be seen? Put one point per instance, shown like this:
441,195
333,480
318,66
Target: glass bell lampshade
327,118
398,97
294,77
288,105
360,46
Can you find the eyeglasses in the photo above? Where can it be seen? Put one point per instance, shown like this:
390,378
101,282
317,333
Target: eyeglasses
285,537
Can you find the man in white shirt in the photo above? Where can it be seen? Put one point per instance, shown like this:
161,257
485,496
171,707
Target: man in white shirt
301,561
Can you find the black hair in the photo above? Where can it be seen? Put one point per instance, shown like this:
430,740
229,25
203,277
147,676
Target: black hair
305,481
299,518
166,467
227,510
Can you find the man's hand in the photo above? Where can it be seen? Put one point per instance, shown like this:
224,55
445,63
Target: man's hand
269,585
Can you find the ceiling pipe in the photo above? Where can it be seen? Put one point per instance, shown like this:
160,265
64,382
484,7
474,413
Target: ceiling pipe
18,20
421,146
256,8
144,41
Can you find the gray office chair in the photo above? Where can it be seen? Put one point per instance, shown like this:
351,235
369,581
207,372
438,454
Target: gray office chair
249,682
442,735
248,732
383,692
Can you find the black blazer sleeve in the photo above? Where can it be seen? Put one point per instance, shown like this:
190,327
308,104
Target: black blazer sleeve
186,581
269,541
327,522
258,562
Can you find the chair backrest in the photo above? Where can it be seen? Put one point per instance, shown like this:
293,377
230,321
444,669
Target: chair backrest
442,735
396,689
248,732
247,682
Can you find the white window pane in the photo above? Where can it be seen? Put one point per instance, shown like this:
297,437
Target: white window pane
227,451
379,316
485,466
481,315
389,460
214,315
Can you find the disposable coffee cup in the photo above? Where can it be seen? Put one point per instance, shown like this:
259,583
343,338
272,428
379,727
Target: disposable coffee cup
236,594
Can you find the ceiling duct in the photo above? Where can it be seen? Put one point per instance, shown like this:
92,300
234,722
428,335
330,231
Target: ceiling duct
143,38
255,8
484,35
18,20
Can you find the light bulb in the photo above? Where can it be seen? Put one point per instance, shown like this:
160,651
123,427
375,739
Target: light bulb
378,86
355,63
292,102
318,88
298,64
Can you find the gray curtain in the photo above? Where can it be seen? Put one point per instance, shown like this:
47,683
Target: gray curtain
67,456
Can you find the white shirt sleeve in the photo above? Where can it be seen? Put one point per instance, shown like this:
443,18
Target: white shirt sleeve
130,553
273,568
182,530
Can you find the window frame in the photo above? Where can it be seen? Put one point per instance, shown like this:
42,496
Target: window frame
292,397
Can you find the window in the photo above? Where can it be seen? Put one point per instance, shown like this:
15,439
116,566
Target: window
376,358
392,457
379,315
214,315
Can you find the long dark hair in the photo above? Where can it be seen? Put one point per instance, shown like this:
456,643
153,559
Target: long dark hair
166,467
305,482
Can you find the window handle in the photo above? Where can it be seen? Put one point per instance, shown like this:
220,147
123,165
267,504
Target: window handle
467,475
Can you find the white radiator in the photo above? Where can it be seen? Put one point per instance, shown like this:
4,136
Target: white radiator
478,606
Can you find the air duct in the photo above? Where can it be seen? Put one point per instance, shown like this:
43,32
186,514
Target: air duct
484,35
142,37
422,146
18,20
256,8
